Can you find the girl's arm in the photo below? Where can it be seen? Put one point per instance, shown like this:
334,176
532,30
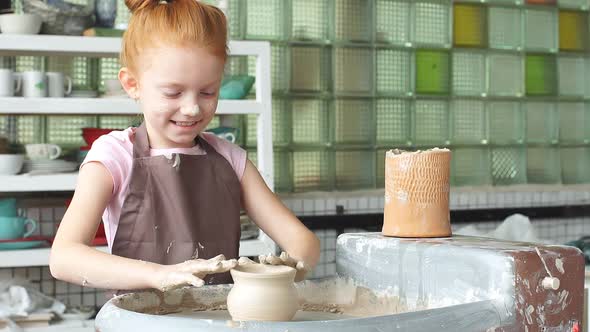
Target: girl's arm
276,220
74,260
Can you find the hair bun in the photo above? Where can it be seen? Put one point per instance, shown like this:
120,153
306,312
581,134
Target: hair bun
135,5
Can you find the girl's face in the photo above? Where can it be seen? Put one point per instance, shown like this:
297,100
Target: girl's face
178,89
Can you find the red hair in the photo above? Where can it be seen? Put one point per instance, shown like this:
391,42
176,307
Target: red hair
173,22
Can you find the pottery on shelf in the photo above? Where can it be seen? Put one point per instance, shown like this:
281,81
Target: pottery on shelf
263,293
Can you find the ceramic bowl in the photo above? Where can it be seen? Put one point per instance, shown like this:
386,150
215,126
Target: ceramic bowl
11,164
20,24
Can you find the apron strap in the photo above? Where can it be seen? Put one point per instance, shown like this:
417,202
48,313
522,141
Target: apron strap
141,143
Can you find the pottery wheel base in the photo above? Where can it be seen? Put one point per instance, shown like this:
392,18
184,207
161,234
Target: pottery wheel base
223,315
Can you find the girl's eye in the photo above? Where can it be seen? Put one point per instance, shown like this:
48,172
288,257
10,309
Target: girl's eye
171,94
208,94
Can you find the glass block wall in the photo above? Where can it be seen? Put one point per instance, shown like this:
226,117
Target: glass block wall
504,84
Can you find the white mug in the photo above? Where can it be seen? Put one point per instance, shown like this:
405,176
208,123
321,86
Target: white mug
43,151
34,84
10,83
56,84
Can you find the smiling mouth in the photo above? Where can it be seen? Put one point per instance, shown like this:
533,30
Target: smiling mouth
184,123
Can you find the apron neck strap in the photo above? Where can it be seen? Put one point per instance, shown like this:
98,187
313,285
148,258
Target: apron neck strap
141,144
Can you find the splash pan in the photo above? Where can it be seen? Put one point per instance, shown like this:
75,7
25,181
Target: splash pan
334,304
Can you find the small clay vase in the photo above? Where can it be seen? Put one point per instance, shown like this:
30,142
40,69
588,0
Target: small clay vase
263,293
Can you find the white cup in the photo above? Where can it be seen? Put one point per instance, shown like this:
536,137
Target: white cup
34,84
57,84
43,151
10,83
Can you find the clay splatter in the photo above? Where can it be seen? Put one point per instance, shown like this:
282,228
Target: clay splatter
169,246
559,265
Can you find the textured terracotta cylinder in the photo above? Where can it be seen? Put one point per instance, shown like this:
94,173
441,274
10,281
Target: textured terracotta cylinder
417,193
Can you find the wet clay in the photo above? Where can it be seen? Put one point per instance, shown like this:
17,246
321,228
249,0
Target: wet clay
417,193
334,298
263,292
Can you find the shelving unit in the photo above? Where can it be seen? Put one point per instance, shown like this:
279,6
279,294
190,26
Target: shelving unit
40,256
97,47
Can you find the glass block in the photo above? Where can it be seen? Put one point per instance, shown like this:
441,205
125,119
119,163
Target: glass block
572,81
82,70
353,20
577,4
393,73
238,65
308,21
542,122
123,15
541,2
393,121
540,75
469,74
574,122
505,75
543,165
214,123
310,121
108,70
265,19
540,30
281,125
8,62
235,18
573,30
505,122
469,25
508,166
430,122
30,129
432,22
352,70
354,169
393,21
353,121
66,130
471,167
310,69
432,72
4,130
119,121
278,71
468,125
282,168
283,174
311,170
29,63
575,165
505,28
380,167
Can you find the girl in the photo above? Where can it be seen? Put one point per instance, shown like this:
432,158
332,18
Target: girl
169,194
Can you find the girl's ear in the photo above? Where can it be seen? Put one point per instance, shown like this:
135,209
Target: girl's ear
129,83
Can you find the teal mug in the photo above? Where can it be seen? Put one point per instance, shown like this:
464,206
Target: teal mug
16,227
8,207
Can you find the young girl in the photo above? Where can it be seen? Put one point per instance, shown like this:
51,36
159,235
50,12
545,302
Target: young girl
169,194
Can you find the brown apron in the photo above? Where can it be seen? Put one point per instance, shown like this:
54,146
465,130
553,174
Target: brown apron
179,208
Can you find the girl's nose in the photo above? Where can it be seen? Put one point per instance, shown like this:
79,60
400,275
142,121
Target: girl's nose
190,110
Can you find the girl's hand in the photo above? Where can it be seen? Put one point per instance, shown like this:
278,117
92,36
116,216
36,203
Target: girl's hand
191,272
285,259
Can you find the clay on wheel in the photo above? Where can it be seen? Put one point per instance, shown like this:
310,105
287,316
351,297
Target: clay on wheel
263,292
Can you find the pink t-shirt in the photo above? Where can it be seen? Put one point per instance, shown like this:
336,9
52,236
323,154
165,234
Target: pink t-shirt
115,152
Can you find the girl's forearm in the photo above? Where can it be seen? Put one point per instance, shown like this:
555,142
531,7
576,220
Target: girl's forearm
86,266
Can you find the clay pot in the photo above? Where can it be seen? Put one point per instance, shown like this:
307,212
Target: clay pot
263,292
